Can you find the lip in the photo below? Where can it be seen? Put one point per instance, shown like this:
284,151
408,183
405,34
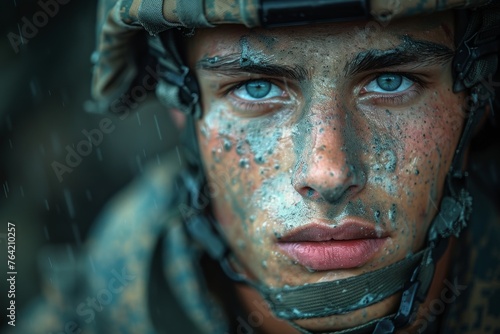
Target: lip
320,246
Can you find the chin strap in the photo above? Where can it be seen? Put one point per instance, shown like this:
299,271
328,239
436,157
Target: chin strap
411,276
343,296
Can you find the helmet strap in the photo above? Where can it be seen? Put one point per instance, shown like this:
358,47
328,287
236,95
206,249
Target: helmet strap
412,276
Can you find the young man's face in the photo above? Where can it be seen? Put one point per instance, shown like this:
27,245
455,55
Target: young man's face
329,145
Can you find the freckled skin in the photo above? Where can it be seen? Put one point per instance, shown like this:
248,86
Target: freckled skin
324,149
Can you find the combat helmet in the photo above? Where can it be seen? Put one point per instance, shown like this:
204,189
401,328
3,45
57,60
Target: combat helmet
137,37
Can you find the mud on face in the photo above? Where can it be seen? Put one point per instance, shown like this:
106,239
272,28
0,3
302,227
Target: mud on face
325,126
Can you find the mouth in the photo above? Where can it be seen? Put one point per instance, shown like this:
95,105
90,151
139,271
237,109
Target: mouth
320,247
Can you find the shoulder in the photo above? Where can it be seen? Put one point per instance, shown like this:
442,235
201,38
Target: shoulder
121,247
103,286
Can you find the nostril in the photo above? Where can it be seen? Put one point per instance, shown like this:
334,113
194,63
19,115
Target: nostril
331,181
310,192
333,195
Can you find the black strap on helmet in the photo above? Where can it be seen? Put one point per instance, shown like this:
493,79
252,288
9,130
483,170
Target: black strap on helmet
182,91
475,60
276,13
411,276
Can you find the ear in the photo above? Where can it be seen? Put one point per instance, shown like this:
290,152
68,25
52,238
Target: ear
178,117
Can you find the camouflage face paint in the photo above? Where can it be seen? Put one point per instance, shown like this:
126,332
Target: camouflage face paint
326,145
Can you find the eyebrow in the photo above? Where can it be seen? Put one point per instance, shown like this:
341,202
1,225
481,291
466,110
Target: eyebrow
234,65
411,51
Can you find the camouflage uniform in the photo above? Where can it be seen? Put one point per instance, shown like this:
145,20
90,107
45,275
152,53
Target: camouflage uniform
108,285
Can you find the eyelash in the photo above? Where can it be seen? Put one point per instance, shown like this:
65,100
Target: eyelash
252,106
259,108
397,98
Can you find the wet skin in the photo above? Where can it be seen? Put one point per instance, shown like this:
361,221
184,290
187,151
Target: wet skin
321,125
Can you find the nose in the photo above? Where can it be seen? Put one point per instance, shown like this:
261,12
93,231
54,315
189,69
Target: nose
328,164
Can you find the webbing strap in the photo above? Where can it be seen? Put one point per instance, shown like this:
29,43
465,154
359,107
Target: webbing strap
412,276
341,296
191,13
150,15
414,292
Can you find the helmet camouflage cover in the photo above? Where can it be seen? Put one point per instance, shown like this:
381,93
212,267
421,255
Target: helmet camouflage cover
122,25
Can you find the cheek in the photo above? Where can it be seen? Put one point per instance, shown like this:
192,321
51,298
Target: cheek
227,169
238,156
432,142
429,143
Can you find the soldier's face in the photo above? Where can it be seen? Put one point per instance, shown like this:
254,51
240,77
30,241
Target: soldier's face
326,146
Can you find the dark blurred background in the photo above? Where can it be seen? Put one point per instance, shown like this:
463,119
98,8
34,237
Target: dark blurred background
44,85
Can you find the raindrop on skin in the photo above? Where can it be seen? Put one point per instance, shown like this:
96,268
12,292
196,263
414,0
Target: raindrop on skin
227,145
215,155
244,163
392,215
239,148
259,159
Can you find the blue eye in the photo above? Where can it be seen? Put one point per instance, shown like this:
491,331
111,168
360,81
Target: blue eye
257,90
389,83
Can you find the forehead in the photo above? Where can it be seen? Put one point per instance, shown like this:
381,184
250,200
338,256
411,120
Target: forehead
321,39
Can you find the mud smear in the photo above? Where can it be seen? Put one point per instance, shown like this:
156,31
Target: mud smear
249,56
385,164
262,144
